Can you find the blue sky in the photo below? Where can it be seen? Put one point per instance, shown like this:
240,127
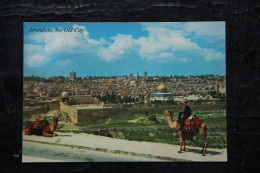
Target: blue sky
121,48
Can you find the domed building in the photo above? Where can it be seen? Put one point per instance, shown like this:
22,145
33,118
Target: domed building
69,98
161,94
161,88
64,96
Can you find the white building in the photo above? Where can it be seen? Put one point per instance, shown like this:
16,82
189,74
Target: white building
72,75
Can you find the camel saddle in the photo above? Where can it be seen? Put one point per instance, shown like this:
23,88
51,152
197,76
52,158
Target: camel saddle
191,126
40,123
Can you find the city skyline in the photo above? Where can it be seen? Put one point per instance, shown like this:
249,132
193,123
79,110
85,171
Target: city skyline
127,75
118,49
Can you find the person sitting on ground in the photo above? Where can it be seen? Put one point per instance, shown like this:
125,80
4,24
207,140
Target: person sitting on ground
184,114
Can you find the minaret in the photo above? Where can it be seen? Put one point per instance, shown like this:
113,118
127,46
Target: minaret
145,74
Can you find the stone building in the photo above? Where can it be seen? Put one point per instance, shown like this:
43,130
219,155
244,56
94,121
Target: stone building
72,75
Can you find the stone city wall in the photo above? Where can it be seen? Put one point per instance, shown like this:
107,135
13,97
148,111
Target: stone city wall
83,99
90,116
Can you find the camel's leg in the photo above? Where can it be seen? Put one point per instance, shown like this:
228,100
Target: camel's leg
203,132
184,145
205,145
181,141
45,134
180,151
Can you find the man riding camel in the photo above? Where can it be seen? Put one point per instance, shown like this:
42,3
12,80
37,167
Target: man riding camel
184,114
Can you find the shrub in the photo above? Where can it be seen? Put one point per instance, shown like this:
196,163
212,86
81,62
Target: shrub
153,119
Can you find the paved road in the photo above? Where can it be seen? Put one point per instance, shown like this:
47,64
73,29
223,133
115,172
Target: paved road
37,152
100,148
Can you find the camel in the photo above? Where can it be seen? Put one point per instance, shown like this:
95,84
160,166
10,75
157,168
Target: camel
190,129
42,127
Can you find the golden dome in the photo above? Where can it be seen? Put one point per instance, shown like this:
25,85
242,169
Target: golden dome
162,87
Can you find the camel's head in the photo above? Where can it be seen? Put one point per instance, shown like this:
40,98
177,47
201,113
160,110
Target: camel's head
56,118
168,112
27,130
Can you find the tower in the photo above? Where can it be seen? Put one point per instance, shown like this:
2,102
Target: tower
131,75
145,74
72,75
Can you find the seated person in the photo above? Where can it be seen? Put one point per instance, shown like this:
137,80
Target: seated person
184,114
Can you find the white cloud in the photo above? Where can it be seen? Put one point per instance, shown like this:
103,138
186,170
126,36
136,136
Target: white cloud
164,55
47,43
181,59
66,62
35,56
163,41
211,54
173,37
64,41
36,60
206,28
122,45
212,28
31,48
